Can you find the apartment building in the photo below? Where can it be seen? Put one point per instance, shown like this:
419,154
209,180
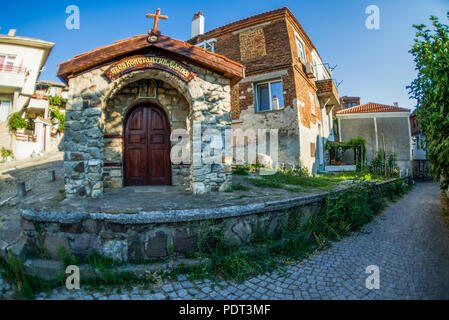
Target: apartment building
21,62
287,85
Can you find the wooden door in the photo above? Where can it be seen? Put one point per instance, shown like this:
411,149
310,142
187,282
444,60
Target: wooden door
147,147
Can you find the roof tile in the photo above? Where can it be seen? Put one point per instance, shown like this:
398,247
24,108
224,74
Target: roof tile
372,107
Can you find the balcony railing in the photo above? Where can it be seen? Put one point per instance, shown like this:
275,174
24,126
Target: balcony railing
328,90
12,69
27,137
11,76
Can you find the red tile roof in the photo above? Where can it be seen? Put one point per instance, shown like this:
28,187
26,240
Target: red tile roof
109,53
372,107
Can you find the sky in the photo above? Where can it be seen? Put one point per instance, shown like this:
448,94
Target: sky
372,64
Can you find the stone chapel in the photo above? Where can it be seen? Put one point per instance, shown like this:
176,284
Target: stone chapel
126,101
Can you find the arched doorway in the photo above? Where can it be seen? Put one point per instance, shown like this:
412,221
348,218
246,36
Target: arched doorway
146,146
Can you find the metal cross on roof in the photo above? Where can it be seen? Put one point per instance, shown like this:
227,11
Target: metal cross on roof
156,17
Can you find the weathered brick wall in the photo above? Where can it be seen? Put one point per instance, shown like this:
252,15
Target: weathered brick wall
299,122
270,37
235,104
252,44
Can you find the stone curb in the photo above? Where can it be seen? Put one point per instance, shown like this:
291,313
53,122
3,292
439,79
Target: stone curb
171,216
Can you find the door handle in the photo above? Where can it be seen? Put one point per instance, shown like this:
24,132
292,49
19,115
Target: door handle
144,140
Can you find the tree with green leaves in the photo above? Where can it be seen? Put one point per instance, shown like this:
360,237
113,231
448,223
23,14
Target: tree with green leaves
431,90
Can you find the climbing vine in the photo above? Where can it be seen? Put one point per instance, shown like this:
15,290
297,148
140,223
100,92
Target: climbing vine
58,115
358,144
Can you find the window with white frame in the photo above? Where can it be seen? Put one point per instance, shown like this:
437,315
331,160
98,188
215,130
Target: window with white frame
315,68
209,45
269,95
53,91
7,62
5,106
301,49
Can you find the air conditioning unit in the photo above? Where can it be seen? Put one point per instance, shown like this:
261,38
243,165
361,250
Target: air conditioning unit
309,70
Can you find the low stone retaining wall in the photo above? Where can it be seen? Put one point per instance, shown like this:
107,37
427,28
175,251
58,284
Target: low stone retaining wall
136,237
342,168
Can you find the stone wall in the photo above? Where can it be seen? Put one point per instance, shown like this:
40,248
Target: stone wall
159,234
133,239
207,97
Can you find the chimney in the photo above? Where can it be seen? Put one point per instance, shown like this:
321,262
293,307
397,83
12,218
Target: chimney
396,104
12,32
197,24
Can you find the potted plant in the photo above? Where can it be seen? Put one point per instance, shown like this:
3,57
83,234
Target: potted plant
6,154
59,117
17,123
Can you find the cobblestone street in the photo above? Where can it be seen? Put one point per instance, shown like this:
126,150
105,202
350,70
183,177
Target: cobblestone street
30,171
408,242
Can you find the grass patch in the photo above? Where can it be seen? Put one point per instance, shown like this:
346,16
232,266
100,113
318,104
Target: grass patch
301,183
240,171
13,271
238,187
305,183
351,175
265,183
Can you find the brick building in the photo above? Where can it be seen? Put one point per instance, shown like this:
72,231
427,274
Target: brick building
286,85
346,103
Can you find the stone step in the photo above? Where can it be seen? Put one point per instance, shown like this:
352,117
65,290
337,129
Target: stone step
53,269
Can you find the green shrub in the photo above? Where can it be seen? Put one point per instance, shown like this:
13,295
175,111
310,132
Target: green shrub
6,153
15,121
57,101
27,286
240,171
56,114
346,211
